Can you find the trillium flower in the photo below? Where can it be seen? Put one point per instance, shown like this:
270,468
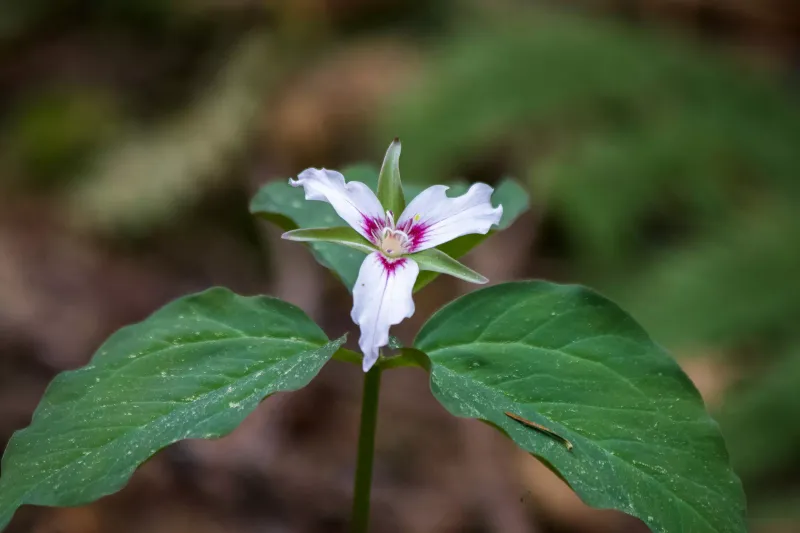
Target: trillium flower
397,246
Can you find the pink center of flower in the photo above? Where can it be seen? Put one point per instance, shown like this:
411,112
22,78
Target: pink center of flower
394,241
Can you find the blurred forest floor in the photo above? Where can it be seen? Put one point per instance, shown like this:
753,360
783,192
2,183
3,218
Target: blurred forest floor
659,139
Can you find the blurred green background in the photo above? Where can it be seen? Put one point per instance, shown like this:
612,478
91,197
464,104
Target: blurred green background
659,139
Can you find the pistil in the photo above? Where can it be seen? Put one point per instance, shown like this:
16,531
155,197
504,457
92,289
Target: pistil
393,243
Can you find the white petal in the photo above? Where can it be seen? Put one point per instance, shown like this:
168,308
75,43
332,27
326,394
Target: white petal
381,298
354,201
432,218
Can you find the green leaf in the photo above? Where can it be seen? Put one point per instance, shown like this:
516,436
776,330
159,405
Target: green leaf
194,369
346,236
390,188
287,207
570,360
434,260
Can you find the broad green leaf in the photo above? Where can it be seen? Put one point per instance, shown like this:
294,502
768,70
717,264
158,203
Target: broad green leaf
346,236
434,260
287,207
570,360
390,188
194,369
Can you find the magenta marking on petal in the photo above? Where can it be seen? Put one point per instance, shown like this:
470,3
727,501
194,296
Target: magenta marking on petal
372,227
405,226
390,265
416,236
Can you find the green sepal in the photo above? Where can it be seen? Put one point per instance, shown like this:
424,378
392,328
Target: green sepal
390,189
339,235
438,261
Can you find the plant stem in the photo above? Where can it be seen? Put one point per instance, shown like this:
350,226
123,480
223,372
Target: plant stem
366,449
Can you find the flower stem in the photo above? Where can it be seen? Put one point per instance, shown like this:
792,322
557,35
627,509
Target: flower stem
366,449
